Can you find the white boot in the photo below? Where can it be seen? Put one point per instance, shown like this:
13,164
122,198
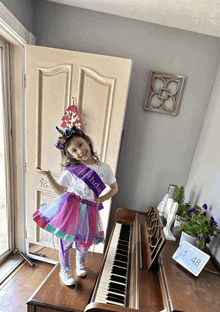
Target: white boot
81,269
67,276
80,260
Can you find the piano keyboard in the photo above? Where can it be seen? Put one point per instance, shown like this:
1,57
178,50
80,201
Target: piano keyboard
113,282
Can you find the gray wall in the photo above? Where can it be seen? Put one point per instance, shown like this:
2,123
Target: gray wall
22,10
204,179
157,149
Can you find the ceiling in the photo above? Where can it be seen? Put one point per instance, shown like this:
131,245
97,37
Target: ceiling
202,16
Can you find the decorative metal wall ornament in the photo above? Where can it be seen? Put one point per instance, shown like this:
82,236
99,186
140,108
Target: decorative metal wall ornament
163,93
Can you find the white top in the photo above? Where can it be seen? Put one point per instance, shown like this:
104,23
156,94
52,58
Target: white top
79,187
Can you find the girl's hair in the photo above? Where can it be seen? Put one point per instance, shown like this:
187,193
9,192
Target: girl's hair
67,159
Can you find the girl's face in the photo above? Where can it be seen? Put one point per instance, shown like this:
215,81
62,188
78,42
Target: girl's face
80,150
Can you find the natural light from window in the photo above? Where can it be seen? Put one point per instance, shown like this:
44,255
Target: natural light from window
3,215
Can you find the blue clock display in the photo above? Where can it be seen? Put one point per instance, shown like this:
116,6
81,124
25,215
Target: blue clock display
191,258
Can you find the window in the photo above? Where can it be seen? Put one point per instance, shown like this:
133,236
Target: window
6,198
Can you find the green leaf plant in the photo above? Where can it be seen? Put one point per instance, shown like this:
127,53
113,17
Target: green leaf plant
198,225
182,210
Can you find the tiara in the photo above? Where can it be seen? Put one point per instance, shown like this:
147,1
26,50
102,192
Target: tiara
71,123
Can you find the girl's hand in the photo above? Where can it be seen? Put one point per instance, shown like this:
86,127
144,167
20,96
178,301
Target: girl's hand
58,189
98,202
44,172
109,194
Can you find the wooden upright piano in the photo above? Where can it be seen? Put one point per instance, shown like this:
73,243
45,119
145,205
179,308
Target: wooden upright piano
152,281
136,273
128,279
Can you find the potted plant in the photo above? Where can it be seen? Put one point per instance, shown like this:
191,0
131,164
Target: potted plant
181,213
197,225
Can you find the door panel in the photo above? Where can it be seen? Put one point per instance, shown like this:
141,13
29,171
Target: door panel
99,85
54,88
96,88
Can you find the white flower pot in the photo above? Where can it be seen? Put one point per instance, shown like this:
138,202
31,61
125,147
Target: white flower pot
178,220
188,238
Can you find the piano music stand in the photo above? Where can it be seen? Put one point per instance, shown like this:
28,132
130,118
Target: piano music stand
155,238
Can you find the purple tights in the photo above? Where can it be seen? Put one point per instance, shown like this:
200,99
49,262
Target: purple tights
65,256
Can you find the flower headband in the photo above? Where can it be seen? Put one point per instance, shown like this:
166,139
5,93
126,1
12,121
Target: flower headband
70,123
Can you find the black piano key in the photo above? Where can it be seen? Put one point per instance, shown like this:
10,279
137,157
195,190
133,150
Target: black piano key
119,297
120,264
119,271
118,291
122,252
121,258
123,243
122,247
117,286
124,257
125,230
118,252
124,240
118,279
124,237
109,298
115,296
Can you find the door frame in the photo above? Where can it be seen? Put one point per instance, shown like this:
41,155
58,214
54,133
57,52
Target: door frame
18,37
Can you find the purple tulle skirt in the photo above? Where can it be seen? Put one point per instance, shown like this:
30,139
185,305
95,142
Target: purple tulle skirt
71,218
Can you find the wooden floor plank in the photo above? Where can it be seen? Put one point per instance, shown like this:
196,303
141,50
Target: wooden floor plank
18,289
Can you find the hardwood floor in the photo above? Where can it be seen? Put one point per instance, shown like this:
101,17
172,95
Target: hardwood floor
21,284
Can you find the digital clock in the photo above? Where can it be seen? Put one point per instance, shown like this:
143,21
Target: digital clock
191,258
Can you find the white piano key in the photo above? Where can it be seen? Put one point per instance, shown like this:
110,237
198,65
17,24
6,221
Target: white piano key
105,280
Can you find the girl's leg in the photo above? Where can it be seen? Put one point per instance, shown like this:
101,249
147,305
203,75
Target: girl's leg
81,250
65,255
65,270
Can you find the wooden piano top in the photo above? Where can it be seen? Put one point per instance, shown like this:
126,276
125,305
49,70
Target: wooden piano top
187,292
53,295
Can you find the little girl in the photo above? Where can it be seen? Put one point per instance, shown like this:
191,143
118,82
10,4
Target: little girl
74,215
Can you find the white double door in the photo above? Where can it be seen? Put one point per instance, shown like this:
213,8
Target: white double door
99,85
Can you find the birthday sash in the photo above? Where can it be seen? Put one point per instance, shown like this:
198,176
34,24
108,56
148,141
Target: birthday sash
90,177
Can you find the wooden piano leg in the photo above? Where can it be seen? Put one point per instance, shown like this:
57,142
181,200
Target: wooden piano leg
30,308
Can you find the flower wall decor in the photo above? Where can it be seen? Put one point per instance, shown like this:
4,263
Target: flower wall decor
163,93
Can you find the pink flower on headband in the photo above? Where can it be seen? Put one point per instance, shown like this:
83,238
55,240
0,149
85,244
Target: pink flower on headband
71,122
72,108
71,117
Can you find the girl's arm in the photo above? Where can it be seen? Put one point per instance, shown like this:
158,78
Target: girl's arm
113,190
58,189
